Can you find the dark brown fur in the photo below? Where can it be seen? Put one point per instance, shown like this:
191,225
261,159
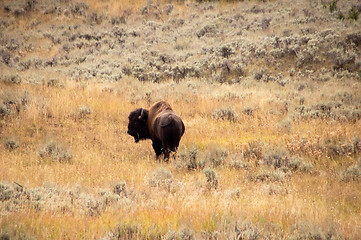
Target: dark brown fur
160,124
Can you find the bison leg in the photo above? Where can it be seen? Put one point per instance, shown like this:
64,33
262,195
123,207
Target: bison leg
166,150
166,155
157,146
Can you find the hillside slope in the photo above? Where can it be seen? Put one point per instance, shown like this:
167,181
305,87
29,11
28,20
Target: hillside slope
213,41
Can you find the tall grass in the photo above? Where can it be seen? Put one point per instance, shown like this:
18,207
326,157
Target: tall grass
104,155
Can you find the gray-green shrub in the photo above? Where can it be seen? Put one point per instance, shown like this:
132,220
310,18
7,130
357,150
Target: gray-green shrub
212,178
56,151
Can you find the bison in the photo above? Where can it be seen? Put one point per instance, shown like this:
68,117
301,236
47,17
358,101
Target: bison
160,124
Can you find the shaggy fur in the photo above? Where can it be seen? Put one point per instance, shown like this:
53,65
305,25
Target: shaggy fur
160,124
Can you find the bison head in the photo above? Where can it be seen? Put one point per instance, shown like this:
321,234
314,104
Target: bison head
137,126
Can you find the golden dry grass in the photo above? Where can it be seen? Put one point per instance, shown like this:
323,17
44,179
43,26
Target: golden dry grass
70,195
104,154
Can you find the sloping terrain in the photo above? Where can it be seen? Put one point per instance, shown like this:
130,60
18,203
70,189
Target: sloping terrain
211,41
269,92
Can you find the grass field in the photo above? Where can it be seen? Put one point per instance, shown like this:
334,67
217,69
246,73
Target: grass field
70,190
271,148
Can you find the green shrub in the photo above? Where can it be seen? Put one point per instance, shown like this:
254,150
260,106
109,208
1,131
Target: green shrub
353,14
340,16
333,6
356,145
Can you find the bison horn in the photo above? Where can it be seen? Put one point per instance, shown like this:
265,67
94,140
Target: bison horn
141,116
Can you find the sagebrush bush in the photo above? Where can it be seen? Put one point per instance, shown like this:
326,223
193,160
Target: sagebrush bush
170,235
306,230
356,145
285,125
6,191
11,144
254,149
54,82
94,207
275,189
298,164
56,151
238,163
10,79
125,230
234,193
247,230
4,111
10,103
248,111
161,178
120,188
110,198
217,155
338,147
277,157
190,158
352,173
186,233
15,231
267,175
84,111
227,113
212,178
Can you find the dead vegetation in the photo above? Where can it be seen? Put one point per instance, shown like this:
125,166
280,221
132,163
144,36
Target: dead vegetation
269,95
